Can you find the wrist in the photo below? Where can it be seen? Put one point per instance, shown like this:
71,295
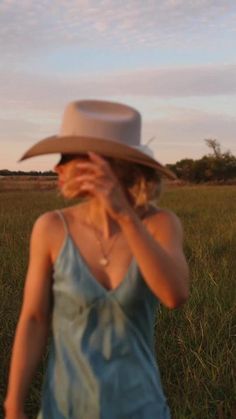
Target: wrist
126,217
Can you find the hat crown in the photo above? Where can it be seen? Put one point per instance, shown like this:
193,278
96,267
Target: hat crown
107,120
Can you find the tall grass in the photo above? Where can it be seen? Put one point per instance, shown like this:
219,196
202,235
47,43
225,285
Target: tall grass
194,344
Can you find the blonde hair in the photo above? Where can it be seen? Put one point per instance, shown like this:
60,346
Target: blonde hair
142,184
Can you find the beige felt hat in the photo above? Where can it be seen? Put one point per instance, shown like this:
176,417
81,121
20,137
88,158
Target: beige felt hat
107,128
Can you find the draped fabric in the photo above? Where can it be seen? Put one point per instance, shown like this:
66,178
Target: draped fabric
101,361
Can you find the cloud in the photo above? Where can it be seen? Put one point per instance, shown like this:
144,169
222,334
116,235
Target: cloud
31,106
173,82
192,123
204,80
26,27
181,133
12,128
31,103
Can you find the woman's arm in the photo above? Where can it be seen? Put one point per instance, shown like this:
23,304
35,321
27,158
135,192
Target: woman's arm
157,248
29,345
159,254
35,319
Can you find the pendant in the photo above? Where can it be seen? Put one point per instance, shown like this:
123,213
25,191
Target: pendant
103,261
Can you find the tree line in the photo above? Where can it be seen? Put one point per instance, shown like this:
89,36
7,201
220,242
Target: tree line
216,166
6,172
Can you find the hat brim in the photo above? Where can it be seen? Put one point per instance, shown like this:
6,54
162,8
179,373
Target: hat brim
107,148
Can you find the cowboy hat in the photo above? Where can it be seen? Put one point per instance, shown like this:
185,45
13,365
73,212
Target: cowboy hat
107,128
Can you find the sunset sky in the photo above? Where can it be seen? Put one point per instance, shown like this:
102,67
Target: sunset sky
174,60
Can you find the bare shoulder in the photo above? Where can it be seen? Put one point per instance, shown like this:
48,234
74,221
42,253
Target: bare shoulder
51,230
48,222
47,227
156,215
45,220
40,240
163,221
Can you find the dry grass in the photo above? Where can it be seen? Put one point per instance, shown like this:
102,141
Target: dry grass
27,183
194,344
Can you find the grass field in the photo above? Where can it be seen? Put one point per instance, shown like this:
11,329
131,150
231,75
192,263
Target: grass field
194,344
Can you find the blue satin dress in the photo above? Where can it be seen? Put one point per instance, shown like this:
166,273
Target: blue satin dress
101,361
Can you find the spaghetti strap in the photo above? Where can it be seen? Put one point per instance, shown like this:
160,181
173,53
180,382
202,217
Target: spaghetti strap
63,221
94,333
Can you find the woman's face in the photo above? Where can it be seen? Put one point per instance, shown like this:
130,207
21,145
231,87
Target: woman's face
128,175
67,172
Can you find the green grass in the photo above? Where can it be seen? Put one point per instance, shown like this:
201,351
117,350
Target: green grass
194,344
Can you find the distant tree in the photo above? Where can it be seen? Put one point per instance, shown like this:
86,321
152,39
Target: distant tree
183,169
214,145
6,172
222,164
216,166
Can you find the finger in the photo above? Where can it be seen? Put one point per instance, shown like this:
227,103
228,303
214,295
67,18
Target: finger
96,158
86,178
89,187
96,186
89,166
97,183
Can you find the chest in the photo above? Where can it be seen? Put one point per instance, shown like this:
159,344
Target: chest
115,252
109,262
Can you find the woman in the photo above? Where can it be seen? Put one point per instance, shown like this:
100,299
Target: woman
96,271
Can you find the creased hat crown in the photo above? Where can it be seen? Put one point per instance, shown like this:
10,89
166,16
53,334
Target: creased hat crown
108,120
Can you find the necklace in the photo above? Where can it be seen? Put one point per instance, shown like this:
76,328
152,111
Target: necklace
104,260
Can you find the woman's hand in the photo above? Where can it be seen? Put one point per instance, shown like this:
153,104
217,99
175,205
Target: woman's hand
101,182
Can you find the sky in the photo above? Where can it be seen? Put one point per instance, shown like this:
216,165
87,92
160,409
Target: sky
173,60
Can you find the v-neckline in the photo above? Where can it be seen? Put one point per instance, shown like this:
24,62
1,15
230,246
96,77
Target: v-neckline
92,276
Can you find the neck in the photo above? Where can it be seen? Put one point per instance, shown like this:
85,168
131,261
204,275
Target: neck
97,215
